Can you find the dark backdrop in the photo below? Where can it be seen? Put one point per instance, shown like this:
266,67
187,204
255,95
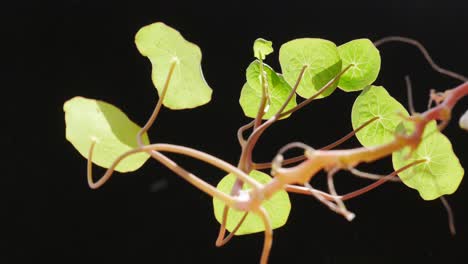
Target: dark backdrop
59,50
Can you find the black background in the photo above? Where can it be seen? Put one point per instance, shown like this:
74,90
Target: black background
57,50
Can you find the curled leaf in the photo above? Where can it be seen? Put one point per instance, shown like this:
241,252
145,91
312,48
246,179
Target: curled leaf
262,47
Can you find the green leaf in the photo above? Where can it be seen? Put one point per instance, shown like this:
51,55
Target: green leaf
374,101
164,46
278,207
441,174
87,120
262,47
321,58
365,60
251,93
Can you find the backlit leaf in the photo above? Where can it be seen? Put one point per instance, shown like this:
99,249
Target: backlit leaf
262,47
374,101
278,207
321,58
164,46
277,93
365,60
87,120
441,174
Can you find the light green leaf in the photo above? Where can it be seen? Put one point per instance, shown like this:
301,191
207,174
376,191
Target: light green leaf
87,120
365,60
278,207
374,101
262,47
164,46
441,174
251,94
321,58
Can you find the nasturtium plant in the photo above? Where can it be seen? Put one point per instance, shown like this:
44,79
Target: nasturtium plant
262,47
277,92
440,174
375,101
165,46
277,207
89,120
364,59
321,58
104,134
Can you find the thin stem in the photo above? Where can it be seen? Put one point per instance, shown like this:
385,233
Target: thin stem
331,188
156,110
380,181
267,165
370,176
409,91
268,242
327,201
240,133
264,99
451,219
319,92
425,53
221,240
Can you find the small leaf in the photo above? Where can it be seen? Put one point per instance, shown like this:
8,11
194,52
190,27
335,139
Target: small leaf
87,120
374,101
262,47
164,46
464,121
278,207
251,94
441,174
365,60
321,58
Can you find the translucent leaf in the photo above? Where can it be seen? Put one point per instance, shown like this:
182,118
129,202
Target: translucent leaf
464,121
251,94
441,174
374,101
278,207
163,46
321,58
365,60
87,120
262,47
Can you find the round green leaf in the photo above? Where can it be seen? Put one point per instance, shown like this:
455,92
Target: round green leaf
164,46
374,101
251,93
262,47
90,120
278,207
365,60
441,174
321,58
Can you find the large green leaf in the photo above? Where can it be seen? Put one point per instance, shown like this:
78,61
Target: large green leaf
262,47
365,60
164,46
374,101
251,94
321,58
278,207
441,173
87,120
